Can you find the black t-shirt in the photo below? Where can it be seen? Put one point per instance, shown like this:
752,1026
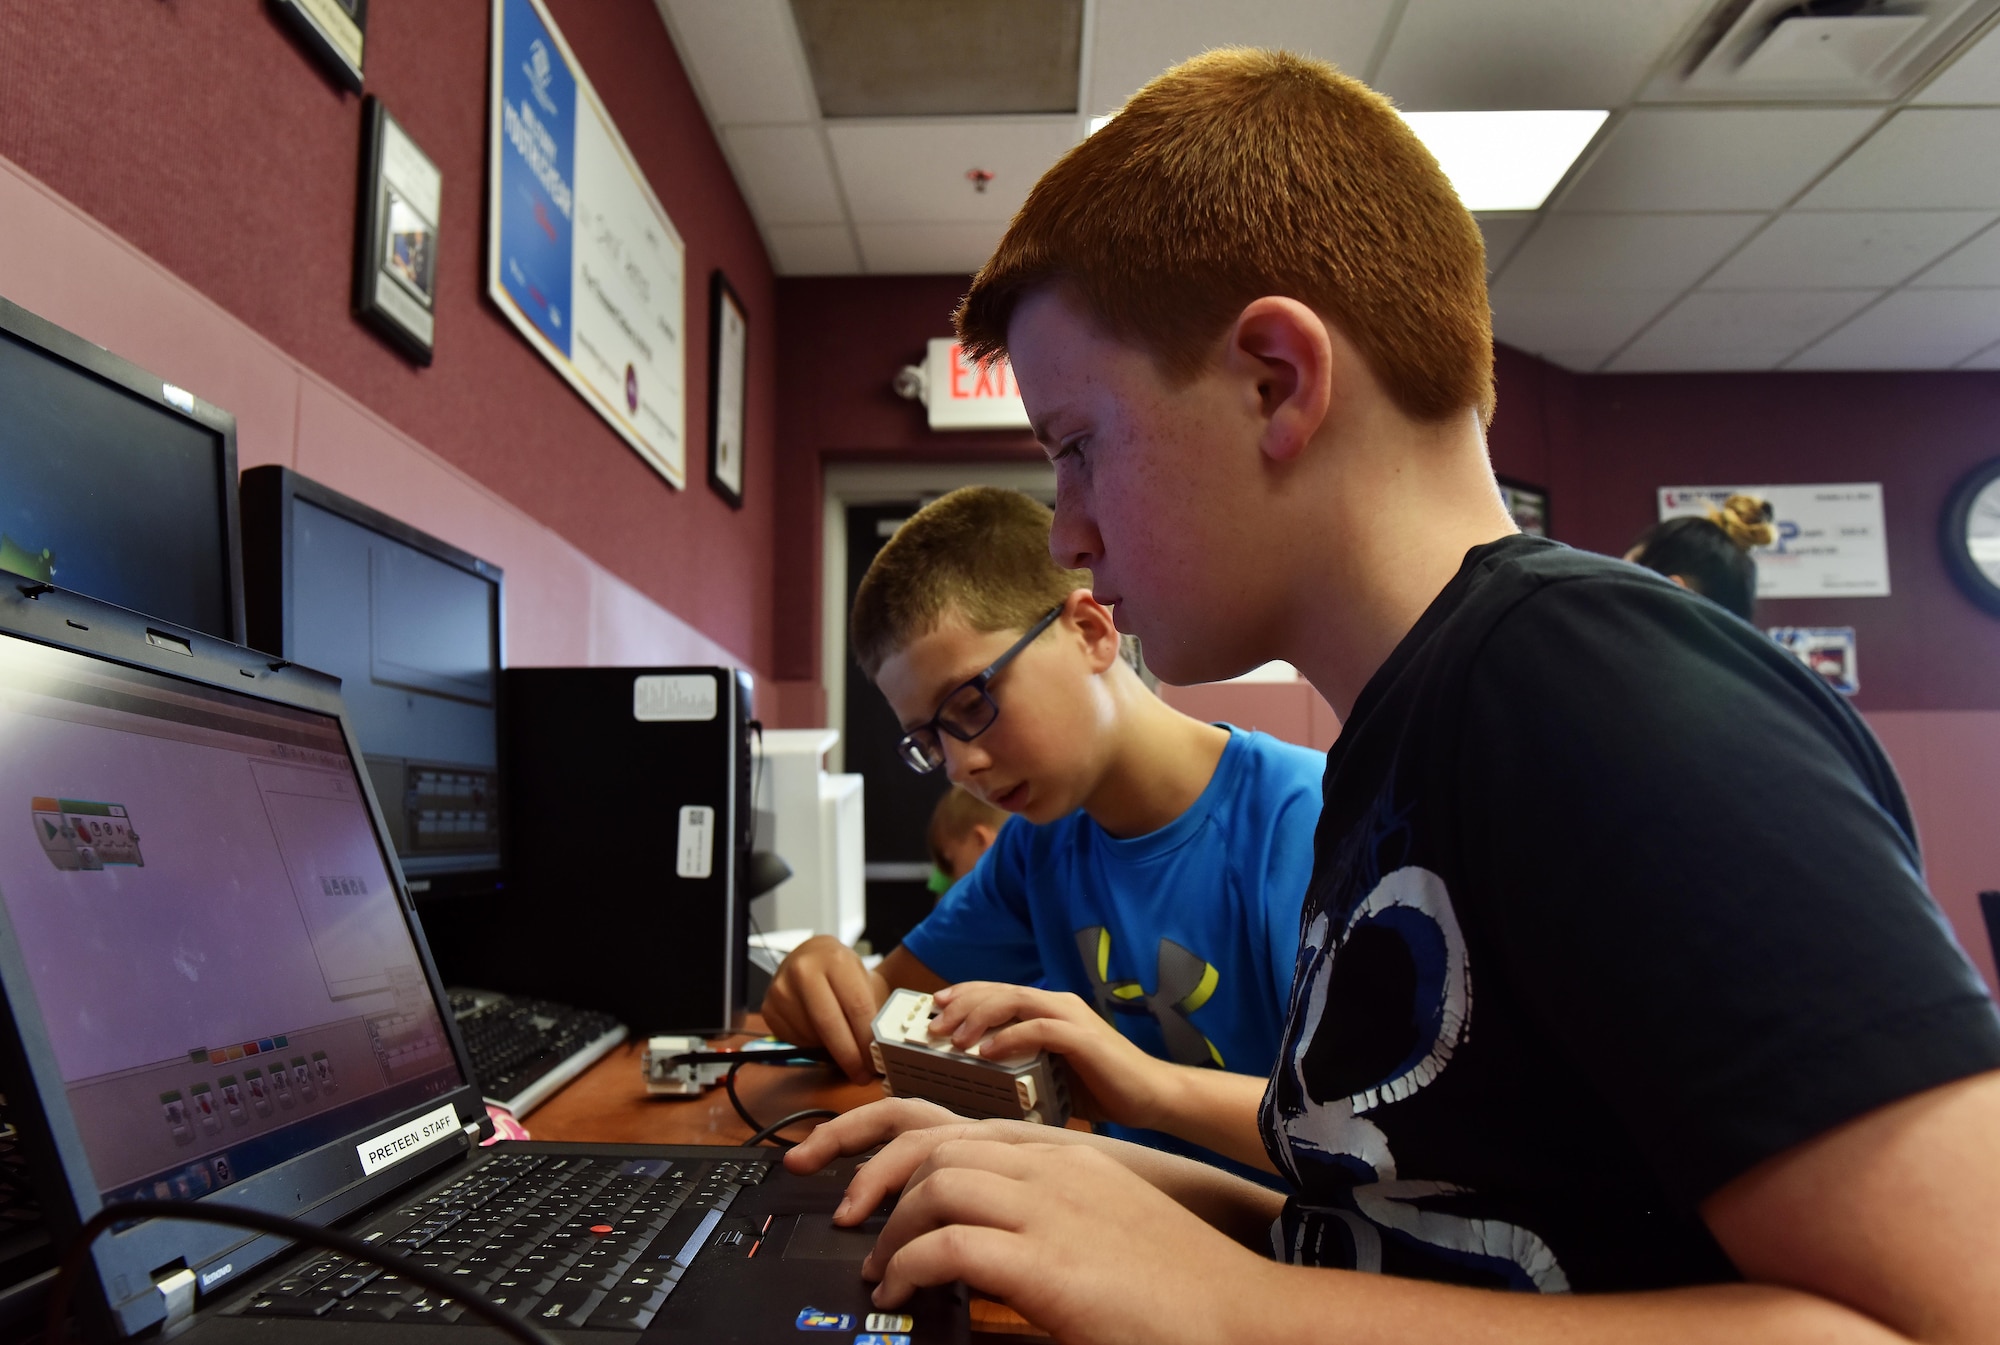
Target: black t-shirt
1612,900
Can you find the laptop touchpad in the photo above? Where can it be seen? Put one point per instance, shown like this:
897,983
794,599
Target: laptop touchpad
816,1238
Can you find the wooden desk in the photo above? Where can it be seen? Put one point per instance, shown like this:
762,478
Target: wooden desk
608,1104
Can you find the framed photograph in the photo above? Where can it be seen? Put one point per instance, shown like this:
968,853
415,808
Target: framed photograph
1528,504
728,390
334,31
395,268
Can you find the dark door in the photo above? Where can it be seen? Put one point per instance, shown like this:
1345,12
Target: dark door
898,801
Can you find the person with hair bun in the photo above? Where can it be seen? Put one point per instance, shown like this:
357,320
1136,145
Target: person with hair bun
1711,556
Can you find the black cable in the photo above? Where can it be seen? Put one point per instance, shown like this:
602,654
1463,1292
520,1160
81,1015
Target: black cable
761,1133
232,1216
770,1132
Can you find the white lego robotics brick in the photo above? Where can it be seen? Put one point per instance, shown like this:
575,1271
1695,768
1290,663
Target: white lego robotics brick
666,1076
915,1064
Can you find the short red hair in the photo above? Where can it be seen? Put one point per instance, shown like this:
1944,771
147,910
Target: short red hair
1246,173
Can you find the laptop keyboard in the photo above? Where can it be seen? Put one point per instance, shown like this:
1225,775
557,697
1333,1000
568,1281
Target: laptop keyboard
562,1241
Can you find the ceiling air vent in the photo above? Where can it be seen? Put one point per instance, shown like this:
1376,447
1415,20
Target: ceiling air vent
1818,50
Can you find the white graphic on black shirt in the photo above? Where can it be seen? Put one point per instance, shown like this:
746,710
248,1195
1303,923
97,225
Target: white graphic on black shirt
1407,920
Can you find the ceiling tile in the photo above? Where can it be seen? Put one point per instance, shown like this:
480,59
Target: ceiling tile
1527,53
1806,250
744,57
1911,329
1134,40
1924,159
1973,78
1545,321
1503,234
1988,358
1625,252
928,249
784,172
1714,158
1740,329
916,171
1577,361
1977,263
812,249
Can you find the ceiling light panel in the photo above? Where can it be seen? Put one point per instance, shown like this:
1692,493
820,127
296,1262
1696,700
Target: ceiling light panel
1528,53
1134,40
744,56
1625,252
1812,249
1507,160
1714,159
1931,158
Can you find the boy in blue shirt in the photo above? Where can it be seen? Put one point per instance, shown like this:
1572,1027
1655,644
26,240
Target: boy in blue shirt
1154,875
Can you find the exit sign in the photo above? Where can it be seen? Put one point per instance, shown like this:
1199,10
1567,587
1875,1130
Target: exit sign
965,394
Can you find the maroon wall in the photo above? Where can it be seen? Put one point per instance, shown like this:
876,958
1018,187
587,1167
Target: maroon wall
840,342
204,135
1924,647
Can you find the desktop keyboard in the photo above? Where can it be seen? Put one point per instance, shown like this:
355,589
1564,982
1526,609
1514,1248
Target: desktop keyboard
525,1049
571,1242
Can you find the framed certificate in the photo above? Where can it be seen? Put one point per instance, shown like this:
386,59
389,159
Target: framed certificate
395,266
334,31
728,390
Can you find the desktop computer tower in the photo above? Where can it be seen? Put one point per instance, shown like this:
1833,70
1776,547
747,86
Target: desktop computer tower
628,837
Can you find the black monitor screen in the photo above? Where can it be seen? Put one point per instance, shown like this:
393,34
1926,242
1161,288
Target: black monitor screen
415,642
112,494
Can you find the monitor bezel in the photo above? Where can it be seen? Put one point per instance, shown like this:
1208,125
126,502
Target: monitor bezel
61,619
269,496
94,360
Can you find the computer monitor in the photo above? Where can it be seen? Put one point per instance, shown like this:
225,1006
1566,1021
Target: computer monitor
411,626
114,482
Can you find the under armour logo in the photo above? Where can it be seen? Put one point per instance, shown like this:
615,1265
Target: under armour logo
1184,983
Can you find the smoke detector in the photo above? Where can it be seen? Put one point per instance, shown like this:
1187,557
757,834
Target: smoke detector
1818,50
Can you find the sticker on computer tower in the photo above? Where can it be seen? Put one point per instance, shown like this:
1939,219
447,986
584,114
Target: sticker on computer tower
695,856
673,697
77,834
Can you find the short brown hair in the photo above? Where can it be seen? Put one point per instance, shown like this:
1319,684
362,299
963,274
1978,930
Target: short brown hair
979,551
1245,173
956,814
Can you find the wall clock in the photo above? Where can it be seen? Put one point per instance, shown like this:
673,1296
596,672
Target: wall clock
1971,535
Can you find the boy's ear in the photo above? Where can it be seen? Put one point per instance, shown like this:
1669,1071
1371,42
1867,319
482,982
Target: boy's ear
1093,622
1285,347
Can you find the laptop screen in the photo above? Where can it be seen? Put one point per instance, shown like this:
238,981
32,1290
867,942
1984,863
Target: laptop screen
209,927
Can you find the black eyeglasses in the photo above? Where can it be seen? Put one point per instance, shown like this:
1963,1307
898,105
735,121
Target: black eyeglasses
967,712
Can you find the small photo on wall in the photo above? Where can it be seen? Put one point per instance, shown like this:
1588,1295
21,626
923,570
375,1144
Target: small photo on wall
335,31
395,272
728,389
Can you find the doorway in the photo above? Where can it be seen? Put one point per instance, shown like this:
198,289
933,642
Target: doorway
864,507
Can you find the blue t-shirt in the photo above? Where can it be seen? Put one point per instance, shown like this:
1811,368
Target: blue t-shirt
1183,938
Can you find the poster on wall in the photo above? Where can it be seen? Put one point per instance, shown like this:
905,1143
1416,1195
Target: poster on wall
1831,542
1827,650
580,255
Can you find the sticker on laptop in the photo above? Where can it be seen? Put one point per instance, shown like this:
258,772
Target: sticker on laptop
818,1319
889,1321
873,1338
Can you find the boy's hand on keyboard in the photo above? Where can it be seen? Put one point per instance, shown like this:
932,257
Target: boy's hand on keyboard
823,996
1110,1078
1067,1236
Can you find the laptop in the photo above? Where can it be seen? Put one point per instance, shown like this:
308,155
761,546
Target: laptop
217,989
